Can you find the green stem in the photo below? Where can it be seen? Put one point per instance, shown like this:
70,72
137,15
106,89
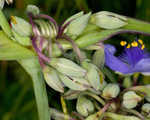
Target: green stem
134,112
115,116
32,67
100,100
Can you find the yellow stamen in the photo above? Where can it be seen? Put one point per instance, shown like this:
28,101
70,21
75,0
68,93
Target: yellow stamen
123,43
134,44
142,47
128,46
13,20
140,41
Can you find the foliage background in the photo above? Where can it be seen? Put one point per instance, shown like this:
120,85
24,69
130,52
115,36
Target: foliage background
16,93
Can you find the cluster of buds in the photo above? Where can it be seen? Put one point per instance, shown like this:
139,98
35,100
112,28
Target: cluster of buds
83,79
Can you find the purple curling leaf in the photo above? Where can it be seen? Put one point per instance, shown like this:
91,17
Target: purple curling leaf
133,59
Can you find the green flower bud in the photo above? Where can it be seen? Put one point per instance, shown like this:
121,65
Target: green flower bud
74,83
52,79
77,25
33,9
131,99
99,58
146,110
25,41
93,75
74,17
127,82
92,117
21,27
84,106
111,91
2,4
67,67
71,94
108,20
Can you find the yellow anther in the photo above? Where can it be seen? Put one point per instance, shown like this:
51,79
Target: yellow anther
13,20
134,44
142,47
123,43
140,41
128,46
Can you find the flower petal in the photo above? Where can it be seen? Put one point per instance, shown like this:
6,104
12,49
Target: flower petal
115,63
142,66
110,48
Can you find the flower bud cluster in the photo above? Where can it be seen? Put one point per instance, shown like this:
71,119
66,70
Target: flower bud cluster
97,95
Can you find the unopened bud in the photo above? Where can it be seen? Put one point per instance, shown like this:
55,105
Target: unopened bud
131,99
67,67
74,83
111,91
52,79
93,75
25,41
20,26
108,20
84,106
93,117
33,9
99,58
146,109
77,25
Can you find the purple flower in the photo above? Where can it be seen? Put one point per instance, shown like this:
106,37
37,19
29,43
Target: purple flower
133,59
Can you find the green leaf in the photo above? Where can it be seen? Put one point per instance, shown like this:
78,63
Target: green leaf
10,50
77,26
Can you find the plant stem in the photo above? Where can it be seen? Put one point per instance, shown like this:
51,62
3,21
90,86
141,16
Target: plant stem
32,67
100,100
115,116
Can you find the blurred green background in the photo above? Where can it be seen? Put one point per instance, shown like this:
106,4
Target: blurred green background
16,93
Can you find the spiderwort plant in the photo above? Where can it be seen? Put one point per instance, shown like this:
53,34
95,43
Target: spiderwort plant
85,81
134,58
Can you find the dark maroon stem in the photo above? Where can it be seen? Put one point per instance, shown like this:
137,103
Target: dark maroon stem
62,28
41,43
104,109
34,29
42,56
75,47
